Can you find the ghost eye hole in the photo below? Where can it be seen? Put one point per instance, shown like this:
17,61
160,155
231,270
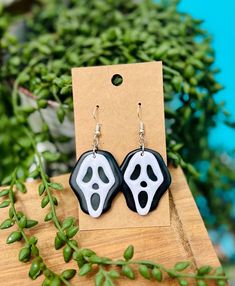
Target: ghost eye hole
102,175
88,175
136,172
150,173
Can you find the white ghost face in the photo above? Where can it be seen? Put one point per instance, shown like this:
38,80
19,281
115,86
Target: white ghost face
143,176
95,179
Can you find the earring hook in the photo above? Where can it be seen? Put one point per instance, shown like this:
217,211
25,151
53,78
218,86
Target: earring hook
97,132
95,113
139,111
141,128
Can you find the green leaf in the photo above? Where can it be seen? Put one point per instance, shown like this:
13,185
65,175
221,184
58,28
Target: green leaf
22,222
11,213
28,110
61,236
87,252
48,217
204,270
56,282
77,256
35,269
157,274
71,232
129,252
51,157
144,271
44,201
46,282
68,274
57,186
86,268
68,222
219,271
180,266
189,71
67,253
108,282
42,103
34,174
13,237
55,201
60,114
177,147
4,192
99,279
183,282
34,250
221,283
201,283
20,187
58,243
19,214
128,272
172,273
5,204
41,189
114,274
30,223
33,240
94,259
66,89
7,180
25,254
74,242
6,224
177,83
192,170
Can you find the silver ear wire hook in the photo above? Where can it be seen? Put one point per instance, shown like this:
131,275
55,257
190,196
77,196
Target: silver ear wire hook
95,113
97,131
141,129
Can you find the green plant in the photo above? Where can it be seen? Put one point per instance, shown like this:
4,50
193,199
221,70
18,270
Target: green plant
61,35
30,250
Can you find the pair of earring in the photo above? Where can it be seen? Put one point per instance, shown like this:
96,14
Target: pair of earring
143,176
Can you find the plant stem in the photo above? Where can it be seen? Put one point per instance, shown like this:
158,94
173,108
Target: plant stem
163,268
48,191
12,204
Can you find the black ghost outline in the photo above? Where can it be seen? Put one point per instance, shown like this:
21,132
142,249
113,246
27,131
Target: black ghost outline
112,192
161,189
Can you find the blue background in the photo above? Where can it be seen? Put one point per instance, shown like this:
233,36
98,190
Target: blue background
219,19
220,23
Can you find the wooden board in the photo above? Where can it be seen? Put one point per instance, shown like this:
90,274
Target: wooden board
142,82
185,239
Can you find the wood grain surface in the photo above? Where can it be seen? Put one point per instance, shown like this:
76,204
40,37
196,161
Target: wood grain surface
185,239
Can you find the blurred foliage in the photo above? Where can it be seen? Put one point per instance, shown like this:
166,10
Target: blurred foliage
64,34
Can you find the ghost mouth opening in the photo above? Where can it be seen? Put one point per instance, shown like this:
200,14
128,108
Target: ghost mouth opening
143,198
95,201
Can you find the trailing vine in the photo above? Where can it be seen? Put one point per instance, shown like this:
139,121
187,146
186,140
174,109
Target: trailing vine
87,259
30,250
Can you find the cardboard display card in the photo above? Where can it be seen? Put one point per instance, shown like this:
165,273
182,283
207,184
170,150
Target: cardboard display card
142,82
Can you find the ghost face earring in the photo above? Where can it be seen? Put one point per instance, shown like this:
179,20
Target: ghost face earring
145,174
96,177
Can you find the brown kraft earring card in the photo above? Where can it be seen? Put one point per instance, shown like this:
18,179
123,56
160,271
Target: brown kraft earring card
142,82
